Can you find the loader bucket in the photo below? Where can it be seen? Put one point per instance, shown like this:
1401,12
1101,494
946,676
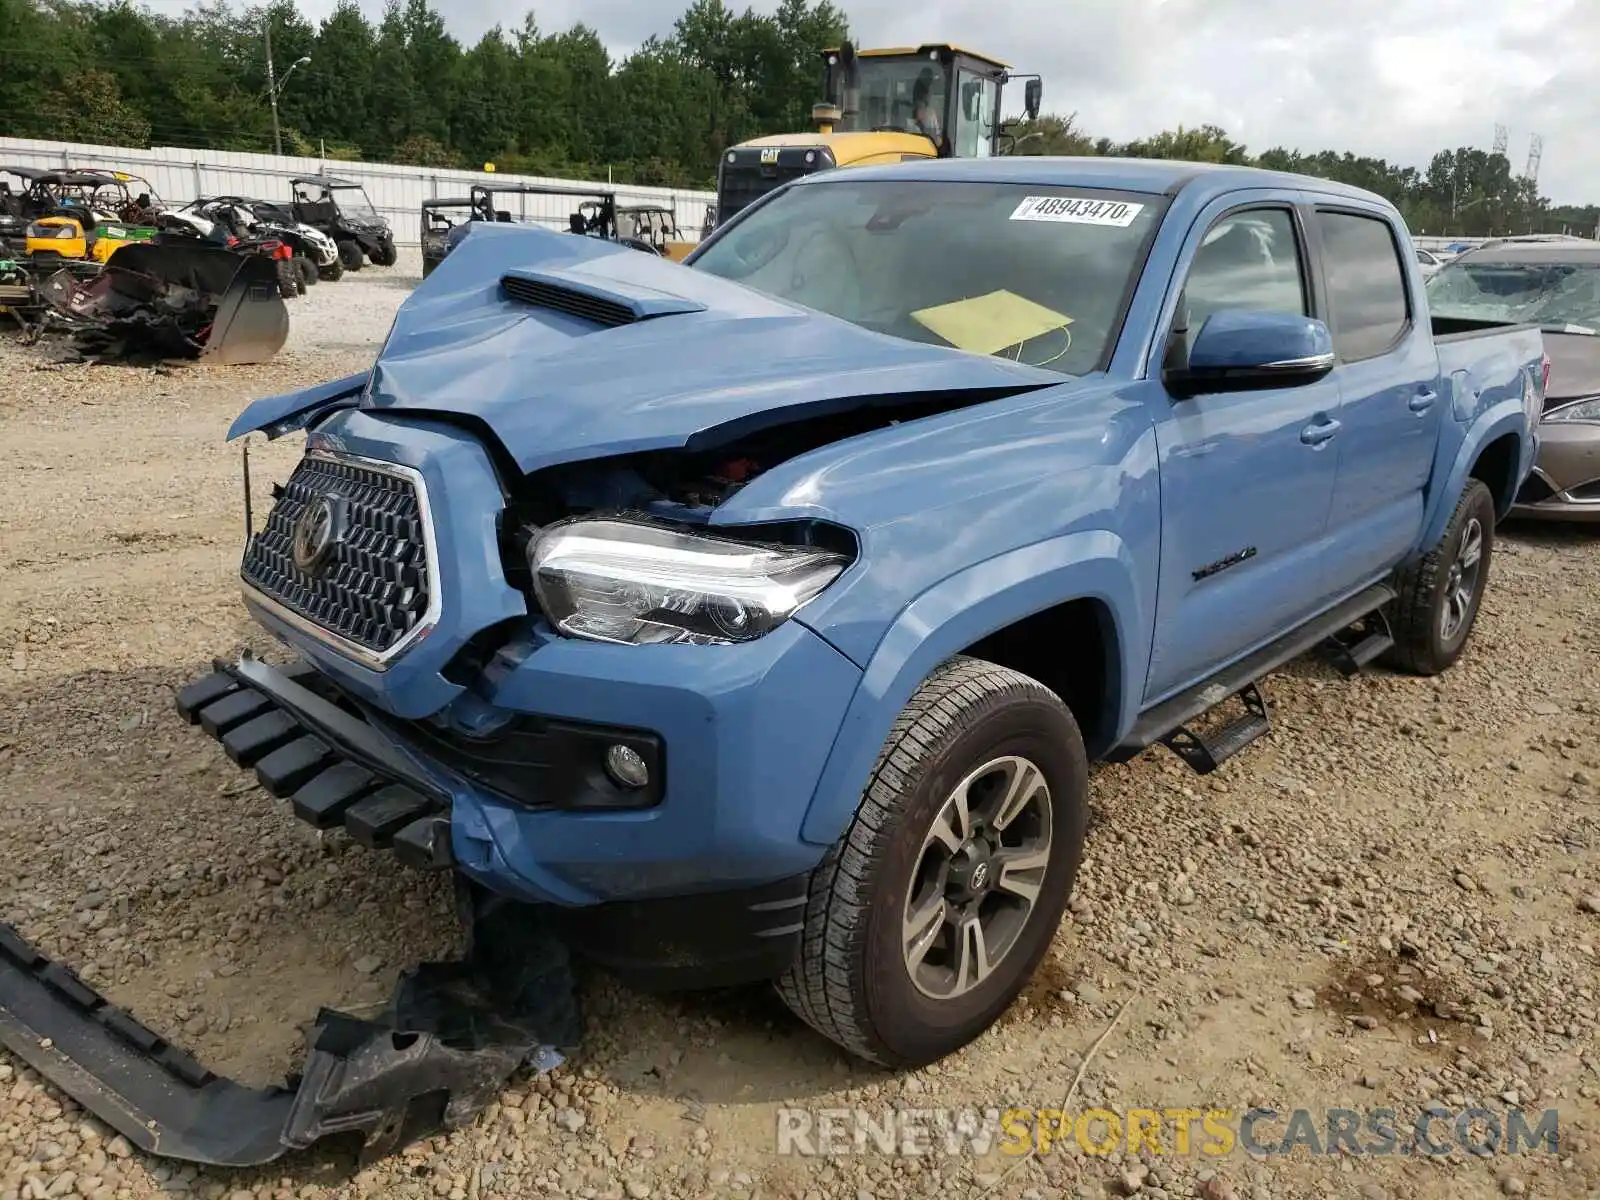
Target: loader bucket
252,321
248,321
175,298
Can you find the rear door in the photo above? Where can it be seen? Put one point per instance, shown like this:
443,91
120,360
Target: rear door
1246,476
1391,397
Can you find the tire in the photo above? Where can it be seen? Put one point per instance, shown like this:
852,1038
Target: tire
387,254
307,270
288,279
1425,643
350,256
332,272
851,980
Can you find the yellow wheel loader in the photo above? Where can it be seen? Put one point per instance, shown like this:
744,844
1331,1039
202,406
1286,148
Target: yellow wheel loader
882,106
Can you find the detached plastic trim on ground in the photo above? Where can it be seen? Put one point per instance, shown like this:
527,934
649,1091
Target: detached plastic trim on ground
452,1034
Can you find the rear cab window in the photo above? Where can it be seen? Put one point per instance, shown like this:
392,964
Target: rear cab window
1361,261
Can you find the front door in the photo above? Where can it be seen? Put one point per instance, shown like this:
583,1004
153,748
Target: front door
1246,476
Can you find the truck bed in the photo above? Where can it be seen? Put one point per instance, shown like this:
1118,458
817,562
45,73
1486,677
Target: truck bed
1460,329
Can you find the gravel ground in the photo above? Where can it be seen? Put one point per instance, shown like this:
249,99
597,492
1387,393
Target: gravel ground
1394,900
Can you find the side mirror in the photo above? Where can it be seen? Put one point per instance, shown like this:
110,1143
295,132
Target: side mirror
1239,349
1032,96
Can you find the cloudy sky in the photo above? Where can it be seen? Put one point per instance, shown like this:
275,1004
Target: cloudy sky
1396,78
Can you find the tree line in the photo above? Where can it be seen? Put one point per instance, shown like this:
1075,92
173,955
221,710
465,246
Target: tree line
541,102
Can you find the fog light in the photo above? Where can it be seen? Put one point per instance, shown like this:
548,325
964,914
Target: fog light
626,766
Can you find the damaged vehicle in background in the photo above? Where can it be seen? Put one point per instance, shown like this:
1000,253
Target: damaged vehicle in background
758,620
1555,285
173,300
187,225
341,209
314,253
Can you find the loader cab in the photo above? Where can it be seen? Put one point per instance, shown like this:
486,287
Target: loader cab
881,106
887,91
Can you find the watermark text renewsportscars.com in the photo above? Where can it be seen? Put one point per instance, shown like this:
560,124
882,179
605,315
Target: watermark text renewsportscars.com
1431,1130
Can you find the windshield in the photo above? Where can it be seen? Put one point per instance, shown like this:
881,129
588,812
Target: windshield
1032,273
898,93
353,202
1555,295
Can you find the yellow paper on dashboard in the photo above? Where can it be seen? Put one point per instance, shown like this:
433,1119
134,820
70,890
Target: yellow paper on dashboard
988,324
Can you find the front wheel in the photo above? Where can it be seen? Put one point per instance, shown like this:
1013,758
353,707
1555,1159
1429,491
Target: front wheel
1441,593
930,913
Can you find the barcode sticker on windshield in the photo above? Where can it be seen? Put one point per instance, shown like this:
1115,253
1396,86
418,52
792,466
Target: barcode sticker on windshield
1077,210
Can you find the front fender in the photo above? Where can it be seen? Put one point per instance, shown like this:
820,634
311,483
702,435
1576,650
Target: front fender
1507,417
950,616
278,415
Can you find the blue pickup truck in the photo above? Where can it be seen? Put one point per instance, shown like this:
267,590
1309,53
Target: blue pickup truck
759,618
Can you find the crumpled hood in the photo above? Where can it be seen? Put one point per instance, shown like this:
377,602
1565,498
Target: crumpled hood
1574,366
695,353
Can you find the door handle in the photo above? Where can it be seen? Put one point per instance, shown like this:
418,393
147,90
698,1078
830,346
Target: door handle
1423,400
1319,432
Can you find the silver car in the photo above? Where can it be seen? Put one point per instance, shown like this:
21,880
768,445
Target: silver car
1555,285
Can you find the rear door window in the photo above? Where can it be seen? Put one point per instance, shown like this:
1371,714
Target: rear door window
1366,284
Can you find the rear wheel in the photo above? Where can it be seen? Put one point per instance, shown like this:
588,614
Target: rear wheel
1441,593
932,910
289,285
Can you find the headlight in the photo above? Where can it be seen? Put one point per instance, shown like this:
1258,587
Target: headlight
638,583
1583,410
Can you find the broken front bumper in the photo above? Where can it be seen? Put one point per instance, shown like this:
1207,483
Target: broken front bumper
451,1036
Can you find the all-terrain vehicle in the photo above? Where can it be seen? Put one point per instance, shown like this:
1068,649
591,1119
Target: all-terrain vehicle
18,204
74,218
128,197
440,215
595,216
186,226
656,225
341,209
314,253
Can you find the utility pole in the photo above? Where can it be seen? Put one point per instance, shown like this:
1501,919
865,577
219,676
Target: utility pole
272,93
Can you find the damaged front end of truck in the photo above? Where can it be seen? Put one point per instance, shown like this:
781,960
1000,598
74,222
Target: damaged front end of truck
460,692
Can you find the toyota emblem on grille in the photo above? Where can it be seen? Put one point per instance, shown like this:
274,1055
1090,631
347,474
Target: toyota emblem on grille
317,532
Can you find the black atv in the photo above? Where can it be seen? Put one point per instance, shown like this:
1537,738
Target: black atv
341,209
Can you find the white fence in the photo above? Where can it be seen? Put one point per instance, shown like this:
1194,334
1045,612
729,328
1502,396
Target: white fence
397,192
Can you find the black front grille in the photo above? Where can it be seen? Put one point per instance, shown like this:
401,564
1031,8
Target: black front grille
372,588
566,300
742,186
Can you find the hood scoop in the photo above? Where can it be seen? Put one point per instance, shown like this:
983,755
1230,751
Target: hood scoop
605,303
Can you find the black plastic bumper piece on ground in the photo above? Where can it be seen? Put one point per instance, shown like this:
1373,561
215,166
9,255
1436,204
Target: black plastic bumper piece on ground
153,1094
452,1036
333,767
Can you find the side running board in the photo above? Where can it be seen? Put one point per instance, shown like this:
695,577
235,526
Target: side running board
1168,723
